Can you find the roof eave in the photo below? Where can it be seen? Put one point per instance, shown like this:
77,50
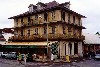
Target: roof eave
56,7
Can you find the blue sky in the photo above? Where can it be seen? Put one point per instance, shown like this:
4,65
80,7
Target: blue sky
89,8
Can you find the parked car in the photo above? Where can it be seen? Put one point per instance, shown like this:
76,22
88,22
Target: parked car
97,55
11,55
0,54
4,54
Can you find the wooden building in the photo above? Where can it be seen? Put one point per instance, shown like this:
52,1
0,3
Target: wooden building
50,23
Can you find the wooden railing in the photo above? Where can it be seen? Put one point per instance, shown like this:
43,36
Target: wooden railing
44,37
35,22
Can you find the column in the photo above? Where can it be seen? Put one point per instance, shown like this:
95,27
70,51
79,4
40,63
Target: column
62,49
67,49
80,50
72,51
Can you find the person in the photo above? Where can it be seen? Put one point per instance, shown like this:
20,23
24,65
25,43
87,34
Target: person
52,56
34,57
25,57
19,58
93,54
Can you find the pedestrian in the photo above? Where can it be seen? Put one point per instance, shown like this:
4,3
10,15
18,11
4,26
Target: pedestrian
19,58
25,58
52,57
34,57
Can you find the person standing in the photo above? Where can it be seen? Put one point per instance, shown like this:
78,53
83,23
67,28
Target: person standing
19,58
25,58
34,57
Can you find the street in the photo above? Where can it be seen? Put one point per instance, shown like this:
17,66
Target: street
14,63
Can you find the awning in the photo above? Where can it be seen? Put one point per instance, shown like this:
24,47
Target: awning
26,44
19,46
30,43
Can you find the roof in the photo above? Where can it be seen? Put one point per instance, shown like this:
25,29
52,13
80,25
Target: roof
49,6
52,4
91,38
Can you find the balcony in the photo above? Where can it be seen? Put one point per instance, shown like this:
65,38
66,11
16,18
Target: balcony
51,37
27,25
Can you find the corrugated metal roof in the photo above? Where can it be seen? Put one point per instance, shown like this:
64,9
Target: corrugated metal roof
91,38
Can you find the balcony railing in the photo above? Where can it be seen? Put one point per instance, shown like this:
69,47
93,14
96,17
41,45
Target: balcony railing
44,37
35,22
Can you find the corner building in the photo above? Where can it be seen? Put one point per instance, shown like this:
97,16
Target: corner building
50,24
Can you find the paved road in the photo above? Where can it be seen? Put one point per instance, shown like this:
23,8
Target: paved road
14,63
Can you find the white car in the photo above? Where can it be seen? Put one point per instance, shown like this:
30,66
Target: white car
97,57
4,54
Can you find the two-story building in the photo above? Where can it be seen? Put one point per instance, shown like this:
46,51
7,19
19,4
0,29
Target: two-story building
50,24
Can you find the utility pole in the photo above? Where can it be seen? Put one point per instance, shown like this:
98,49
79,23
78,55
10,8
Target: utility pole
48,47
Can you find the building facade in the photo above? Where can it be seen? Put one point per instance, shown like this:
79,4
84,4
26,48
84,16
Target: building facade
53,23
91,43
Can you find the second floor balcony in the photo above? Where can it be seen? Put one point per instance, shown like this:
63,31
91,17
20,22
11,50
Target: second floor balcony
51,37
37,23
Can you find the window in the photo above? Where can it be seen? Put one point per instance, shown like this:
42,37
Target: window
22,21
73,19
45,30
69,29
28,32
63,16
79,20
74,32
16,21
36,17
21,32
53,30
36,31
64,30
53,15
45,16
68,18
29,20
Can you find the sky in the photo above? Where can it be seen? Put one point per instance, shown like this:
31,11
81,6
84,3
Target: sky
88,8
